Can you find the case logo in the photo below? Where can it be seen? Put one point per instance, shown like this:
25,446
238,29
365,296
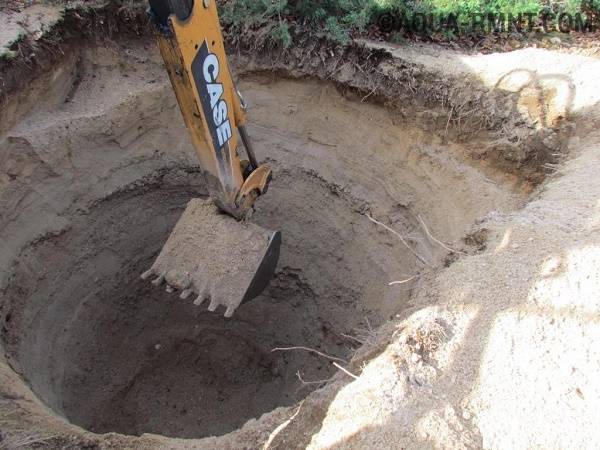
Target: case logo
205,70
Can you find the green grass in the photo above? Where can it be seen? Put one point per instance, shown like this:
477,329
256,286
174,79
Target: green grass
338,19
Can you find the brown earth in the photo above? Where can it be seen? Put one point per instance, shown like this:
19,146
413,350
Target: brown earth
434,144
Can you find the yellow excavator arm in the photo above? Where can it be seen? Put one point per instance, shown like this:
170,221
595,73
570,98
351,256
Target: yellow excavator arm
213,253
191,44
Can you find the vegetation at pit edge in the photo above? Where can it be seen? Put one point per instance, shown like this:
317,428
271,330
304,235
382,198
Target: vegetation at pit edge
339,19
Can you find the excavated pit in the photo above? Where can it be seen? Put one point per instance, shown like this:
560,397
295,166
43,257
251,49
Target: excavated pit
96,177
114,353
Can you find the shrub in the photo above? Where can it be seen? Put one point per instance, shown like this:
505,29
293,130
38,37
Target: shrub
337,19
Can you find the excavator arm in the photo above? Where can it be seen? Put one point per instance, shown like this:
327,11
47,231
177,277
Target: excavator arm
191,44
214,252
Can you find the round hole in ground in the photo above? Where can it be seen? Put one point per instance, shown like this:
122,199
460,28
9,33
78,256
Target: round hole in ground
113,353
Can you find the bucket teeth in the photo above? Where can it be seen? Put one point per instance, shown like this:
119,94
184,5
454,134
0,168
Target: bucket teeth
159,280
186,293
229,312
199,300
147,274
206,293
212,307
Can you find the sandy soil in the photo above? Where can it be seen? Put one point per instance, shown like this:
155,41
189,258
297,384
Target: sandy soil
31,22
490,346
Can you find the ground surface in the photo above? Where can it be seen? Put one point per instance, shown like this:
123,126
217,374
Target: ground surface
491,346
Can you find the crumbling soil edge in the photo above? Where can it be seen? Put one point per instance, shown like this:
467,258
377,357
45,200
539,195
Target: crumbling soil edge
463,108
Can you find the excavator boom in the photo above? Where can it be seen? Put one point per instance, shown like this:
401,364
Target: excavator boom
213,252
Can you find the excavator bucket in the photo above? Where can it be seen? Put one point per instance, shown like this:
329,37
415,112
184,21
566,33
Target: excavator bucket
215,258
